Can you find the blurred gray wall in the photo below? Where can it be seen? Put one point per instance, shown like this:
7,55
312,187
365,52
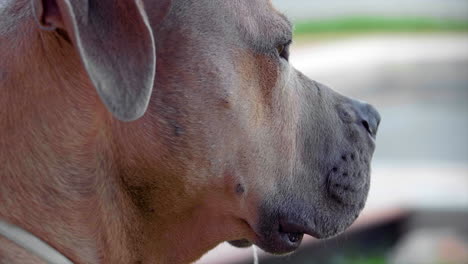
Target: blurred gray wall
320,9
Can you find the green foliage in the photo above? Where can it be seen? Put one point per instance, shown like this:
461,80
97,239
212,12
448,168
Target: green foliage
379,24
372,260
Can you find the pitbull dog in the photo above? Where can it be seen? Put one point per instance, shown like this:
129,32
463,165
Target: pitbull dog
228,141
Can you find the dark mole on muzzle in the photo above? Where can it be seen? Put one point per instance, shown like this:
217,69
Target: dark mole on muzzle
178,130
240,189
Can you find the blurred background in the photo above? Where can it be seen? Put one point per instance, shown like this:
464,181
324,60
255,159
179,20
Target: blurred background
409,58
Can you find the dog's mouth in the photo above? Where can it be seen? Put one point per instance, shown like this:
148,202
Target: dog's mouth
283,237
281,231
283,243
288,242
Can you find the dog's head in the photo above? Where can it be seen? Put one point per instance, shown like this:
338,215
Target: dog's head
235,143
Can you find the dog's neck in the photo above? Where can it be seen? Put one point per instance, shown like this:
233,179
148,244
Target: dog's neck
56,151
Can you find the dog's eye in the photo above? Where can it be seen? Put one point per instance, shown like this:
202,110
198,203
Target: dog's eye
280,48
283,50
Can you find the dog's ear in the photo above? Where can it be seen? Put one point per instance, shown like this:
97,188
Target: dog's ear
116,45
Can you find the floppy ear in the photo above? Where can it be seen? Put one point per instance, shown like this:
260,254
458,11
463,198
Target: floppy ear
116,46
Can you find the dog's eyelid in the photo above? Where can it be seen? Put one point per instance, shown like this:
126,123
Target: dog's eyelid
283,49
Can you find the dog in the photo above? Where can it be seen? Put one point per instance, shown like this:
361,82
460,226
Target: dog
151,131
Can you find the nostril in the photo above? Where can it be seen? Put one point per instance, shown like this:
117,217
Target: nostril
367,116
366,126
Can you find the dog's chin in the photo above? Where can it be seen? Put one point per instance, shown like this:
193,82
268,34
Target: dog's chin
283,233
284,237
281,243
275,239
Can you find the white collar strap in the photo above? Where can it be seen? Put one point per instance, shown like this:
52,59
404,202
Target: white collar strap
32,243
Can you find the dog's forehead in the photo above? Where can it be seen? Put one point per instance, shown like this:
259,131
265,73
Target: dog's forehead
254,20
260,12
260,20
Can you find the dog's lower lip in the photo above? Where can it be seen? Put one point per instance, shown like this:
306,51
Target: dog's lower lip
284,240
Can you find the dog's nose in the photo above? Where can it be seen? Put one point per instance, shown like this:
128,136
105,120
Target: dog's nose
367,116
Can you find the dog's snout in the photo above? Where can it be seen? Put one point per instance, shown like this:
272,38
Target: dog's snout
367,116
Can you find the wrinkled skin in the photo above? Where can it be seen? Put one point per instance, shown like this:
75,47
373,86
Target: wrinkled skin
236,145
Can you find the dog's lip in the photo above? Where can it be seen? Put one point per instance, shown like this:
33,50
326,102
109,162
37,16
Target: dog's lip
304,227
283,238
286,244
279,242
